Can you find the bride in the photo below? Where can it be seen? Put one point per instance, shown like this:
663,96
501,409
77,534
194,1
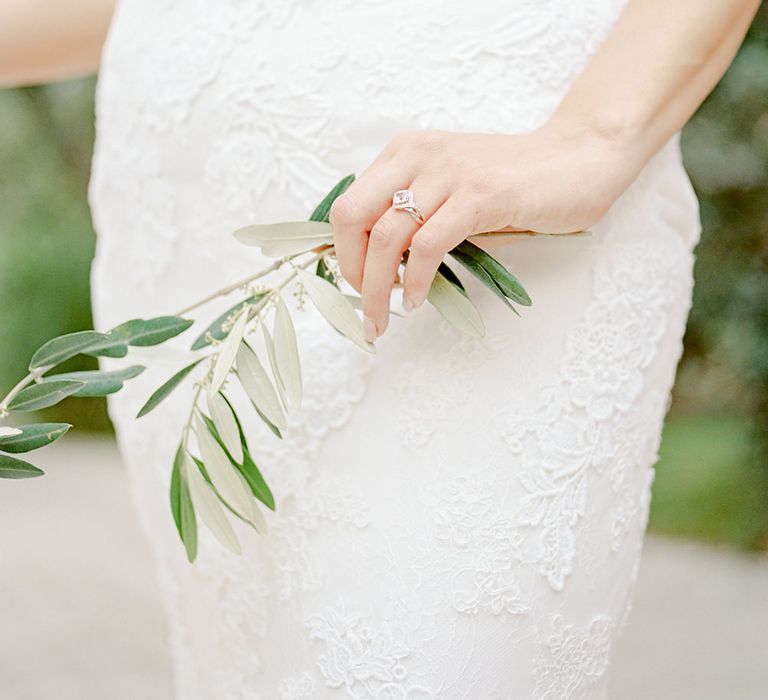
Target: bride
456,517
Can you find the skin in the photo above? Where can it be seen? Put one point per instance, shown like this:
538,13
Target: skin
657,65
42,41
659,62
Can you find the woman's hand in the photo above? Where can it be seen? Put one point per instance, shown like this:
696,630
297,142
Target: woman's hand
556,179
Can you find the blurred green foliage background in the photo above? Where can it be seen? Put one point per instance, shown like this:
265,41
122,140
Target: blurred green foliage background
712,477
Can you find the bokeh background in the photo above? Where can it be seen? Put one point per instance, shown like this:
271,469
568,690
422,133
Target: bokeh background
712,477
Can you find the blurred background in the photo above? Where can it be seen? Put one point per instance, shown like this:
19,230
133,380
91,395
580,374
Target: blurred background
712,478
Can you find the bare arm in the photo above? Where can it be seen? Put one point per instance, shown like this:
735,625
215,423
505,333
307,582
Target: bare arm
656,67
46,40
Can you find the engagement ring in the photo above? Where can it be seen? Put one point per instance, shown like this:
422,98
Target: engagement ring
403,199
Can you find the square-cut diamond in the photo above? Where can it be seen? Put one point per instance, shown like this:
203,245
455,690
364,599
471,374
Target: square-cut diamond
402,198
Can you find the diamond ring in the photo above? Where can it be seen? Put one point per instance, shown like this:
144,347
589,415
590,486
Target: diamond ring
403,199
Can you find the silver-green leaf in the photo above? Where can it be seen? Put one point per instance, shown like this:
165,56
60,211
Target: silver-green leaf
182,507
286,238
97,382
64,347
228,350
223,475
287,354
216,331
208,506
45,394
140,332
12,468
455,307
165,390
258,386
270,345
335,307
32,437
224,420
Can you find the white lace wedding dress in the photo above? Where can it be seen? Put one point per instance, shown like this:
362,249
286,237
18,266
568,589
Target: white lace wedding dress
456,518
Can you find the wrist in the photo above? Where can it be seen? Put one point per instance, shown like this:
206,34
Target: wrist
613,131
612,137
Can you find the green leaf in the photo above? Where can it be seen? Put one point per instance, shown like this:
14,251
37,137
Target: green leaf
32,437
64,347
12,468
335,307
208,506
456,307
286,238
482,274
44,394
220,469
98,383
118,350
255,518
181,506
258,386
250,471
141,332
323,209
228,350
322,270
256,481
175,491
166,388
216,330
451,276
506,281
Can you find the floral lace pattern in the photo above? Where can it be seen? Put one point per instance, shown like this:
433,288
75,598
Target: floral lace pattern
592,419
572,659
367,663
456,518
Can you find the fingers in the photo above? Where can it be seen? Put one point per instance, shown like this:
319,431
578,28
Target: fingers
445,229
390,236
354,213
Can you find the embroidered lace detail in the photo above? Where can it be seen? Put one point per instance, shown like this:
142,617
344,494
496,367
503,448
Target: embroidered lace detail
429,394
573,659
300,687
331,499
367,663
481,496
487,545
590,421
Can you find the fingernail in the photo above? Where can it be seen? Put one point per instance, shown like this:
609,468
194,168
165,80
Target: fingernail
407,303
369,329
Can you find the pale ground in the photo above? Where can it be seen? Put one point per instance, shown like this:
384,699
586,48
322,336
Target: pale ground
80,616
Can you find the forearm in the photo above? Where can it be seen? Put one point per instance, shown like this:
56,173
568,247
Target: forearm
47,40
655,68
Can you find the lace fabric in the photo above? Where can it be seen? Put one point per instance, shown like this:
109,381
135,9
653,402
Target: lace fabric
456,518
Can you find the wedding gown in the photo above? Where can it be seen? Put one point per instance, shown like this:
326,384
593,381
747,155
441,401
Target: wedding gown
456,518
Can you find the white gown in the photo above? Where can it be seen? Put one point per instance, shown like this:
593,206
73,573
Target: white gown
456,518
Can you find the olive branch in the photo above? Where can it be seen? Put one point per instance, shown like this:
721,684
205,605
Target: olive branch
214,475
